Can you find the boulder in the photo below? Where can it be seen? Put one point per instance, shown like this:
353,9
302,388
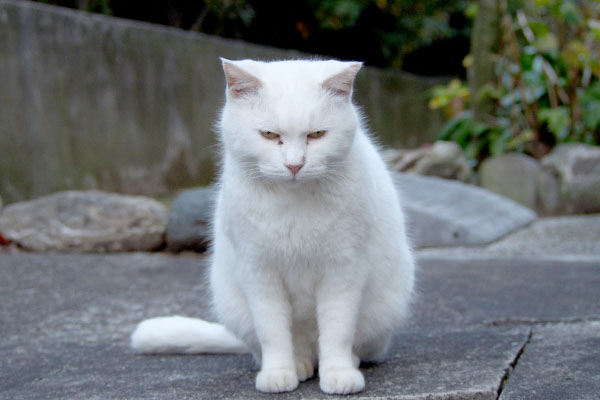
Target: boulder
569,181
442,159
190,219
439,212
85,221
513,176
442,212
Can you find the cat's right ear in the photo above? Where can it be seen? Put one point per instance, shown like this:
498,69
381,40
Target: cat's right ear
240,83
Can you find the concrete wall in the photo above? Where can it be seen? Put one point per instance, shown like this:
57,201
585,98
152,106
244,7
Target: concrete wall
88,101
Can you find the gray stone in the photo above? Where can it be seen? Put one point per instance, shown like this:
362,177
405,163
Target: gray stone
449,213
159,90
513,176
566,238
569,182
74,343
554,237
442,159
561,362
189,226
468,290
439,212
471,320
85,221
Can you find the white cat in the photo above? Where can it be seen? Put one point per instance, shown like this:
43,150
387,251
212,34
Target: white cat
311,261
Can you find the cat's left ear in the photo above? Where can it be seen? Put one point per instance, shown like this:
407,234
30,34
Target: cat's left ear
341,83
239,82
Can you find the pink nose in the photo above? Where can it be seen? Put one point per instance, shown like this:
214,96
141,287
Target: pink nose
294,168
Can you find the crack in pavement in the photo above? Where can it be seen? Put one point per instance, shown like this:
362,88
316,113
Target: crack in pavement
537,322
513,365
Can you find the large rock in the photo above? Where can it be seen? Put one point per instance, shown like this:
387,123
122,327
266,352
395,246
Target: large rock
88,221
511,175
569,182
190,219
441,212
442,159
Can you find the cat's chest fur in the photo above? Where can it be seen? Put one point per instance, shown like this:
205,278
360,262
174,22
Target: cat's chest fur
304,224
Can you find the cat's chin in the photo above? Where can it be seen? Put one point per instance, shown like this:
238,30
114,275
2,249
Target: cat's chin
292,181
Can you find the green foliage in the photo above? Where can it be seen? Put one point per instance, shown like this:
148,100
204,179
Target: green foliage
451,98
339,14
99,6
379,32
547,88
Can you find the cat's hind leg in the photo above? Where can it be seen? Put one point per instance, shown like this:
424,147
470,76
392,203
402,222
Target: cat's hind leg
305,352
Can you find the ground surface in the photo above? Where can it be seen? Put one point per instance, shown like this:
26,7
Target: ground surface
506,321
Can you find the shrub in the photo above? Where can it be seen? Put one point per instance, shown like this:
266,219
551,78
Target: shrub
547,87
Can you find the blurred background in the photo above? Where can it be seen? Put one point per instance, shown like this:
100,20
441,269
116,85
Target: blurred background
409,35
122,95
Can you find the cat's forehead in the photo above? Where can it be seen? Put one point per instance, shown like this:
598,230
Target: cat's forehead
290,71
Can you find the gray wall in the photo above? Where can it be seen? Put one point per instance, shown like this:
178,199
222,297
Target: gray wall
88,101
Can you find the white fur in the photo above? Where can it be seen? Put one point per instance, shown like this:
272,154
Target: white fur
307,267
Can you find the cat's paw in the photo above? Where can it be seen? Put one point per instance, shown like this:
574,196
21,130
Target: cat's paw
276,380
341,381
304,369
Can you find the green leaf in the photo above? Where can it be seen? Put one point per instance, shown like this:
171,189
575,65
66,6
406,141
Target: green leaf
452,125
594,26
539,28
568,10
547,44
591,115
558,121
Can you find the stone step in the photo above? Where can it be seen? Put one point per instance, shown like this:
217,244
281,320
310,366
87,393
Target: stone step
442,212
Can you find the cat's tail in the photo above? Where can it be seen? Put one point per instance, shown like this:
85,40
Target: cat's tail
183,335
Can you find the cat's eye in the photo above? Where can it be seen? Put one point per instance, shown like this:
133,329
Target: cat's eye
316,134
269,135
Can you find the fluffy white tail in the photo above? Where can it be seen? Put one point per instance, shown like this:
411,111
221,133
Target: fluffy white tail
182,335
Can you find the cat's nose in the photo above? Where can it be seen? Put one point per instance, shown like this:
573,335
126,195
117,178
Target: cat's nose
294,168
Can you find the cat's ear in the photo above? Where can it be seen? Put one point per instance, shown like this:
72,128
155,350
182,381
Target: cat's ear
341,83
239,82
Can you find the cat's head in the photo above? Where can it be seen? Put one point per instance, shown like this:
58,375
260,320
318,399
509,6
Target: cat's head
289,121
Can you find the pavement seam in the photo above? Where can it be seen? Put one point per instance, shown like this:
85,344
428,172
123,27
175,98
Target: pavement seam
513,365
540,322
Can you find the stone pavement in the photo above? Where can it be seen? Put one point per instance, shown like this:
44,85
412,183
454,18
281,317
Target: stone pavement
517,319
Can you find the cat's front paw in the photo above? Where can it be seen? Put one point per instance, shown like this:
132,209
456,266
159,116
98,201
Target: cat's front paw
341,381
276,380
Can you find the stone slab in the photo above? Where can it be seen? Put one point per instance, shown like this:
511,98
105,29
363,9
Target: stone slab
566,237
449,213
561,362
455,293
65,322
455,365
